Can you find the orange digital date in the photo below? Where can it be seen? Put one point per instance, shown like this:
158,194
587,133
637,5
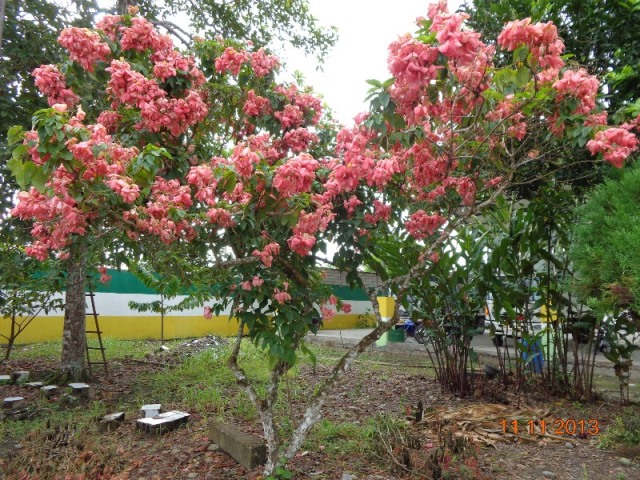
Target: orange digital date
558,427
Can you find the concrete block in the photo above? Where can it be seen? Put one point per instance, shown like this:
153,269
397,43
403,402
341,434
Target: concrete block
20,377
111,421
34,384
81,390
13,403
248,450
163,422
5,379
49,390
150,410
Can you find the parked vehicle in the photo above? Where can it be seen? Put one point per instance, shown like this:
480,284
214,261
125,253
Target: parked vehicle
504,326
421,332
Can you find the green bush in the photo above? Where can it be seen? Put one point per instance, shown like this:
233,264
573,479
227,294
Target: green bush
624,431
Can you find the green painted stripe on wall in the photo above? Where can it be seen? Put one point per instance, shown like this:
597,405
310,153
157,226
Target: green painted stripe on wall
123,282
346,293
126,282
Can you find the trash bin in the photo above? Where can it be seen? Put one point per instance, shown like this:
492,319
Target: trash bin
532,355
396,335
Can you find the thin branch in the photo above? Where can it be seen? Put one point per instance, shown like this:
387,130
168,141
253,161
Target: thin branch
175,30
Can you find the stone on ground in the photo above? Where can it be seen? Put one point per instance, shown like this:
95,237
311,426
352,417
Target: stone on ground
81,390
5,379
20,377
13,403
150,410
163,422
49,390
111,421
34,384
248,450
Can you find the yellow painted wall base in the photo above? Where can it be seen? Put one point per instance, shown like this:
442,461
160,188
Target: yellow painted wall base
148,327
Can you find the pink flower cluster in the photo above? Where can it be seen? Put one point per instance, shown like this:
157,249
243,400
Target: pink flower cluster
312,222
296,175
161,215
299,140
508,110
104,276
52,83
412,63
56,218
231,60
290,116
542,41
266,255
262,63
205,183
301,244
421,225
156,111
255,105
142,36
380,212
244,159
455,43
357,161
221,217
350,205
85,46
615,144
579,84
124,187
99,155
282,296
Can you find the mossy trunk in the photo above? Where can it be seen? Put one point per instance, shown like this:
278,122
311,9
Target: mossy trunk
73,363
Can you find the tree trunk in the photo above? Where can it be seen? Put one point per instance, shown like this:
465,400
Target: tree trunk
74,338
2,5
121,6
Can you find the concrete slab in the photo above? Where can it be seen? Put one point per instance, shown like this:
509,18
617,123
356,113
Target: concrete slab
150,410
49,390
5,379
111,421
13,403
163,422
248,450
34,384
81,390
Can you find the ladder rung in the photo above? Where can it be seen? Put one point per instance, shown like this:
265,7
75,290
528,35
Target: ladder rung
96,348
94,331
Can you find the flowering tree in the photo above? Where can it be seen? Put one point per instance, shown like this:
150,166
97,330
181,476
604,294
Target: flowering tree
236,165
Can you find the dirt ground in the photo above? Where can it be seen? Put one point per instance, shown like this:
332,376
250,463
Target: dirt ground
187,453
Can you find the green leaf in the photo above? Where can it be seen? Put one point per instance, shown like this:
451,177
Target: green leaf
17,170
15,135
520,54
523,75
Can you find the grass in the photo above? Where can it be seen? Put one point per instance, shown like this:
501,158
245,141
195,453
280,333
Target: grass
114,349
344,438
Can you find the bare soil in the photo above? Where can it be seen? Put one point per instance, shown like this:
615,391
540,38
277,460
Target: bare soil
373,387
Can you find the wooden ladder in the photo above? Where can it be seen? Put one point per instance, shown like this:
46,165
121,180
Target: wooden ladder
98,333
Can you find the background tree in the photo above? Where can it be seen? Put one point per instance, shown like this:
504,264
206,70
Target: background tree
597,35
27,288
605,251
596,32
